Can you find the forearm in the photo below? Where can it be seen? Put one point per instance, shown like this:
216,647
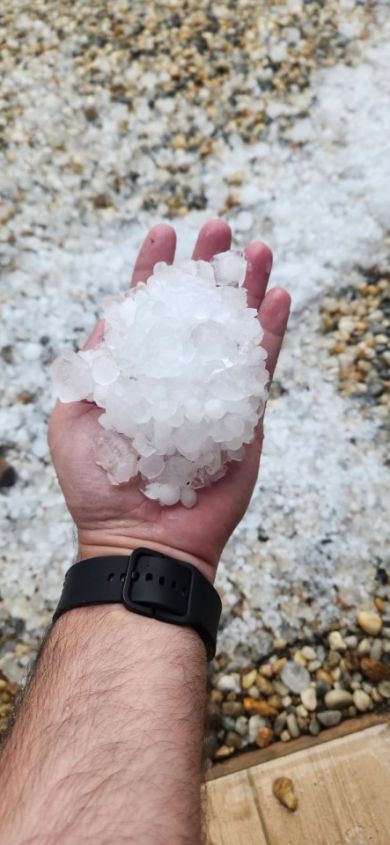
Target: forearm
107,744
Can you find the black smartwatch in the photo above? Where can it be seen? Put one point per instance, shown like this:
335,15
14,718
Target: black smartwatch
148,583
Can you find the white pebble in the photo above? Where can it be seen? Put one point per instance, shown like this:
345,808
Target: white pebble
309,698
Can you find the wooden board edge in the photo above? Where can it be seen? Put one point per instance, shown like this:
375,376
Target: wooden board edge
280,749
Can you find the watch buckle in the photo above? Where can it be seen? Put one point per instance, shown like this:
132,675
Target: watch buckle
153,590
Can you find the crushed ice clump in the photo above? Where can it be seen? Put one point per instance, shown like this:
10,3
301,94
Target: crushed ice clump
180,375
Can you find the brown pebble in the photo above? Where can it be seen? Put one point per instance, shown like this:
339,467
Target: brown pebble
371,623
216,695
264,685
223,751
233,740
275,701
278,666
266,670
262,708
375,670
232,708
264,737
101,201
283,789
231,696
351,662
380,604
25,397
322,675
249,679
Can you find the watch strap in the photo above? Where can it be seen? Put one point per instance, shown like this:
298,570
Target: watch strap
149,583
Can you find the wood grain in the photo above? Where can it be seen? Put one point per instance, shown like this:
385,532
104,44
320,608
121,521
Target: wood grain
343,789
231,812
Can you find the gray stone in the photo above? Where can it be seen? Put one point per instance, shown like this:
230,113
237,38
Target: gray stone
376,650
292,726
322,687
280,688
329,718
351,641
232,708
279,723
242,725
228,723
314,727
295,677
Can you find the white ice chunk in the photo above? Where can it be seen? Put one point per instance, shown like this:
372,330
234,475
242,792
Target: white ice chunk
188,497
104,369
116,455
229,268
71,377
170,494
179,375
167,494
152,466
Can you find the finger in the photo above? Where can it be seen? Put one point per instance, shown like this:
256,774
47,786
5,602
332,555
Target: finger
273,315
159,245
215,236
259,265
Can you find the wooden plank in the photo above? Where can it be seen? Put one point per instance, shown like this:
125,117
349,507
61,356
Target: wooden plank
342,787
281,749
231,814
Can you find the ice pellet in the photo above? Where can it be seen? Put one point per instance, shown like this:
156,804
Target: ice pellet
179,375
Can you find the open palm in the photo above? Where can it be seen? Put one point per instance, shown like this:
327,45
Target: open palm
117,519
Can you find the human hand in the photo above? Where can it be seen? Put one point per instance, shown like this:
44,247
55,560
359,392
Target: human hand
117,519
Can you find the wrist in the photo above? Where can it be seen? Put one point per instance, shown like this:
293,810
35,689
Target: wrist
92,544
112,629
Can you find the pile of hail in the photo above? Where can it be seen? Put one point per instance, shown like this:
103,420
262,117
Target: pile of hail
180,376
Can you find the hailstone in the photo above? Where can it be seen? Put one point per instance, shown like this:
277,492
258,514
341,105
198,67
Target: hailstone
180,376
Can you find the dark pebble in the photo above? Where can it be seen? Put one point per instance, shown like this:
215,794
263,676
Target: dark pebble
7,474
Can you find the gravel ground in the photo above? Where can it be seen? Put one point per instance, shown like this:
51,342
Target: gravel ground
277,118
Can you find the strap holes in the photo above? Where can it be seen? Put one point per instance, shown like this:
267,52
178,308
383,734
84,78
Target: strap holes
149,576
111,576
134,576
123,576
173,585
184,591
161,580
